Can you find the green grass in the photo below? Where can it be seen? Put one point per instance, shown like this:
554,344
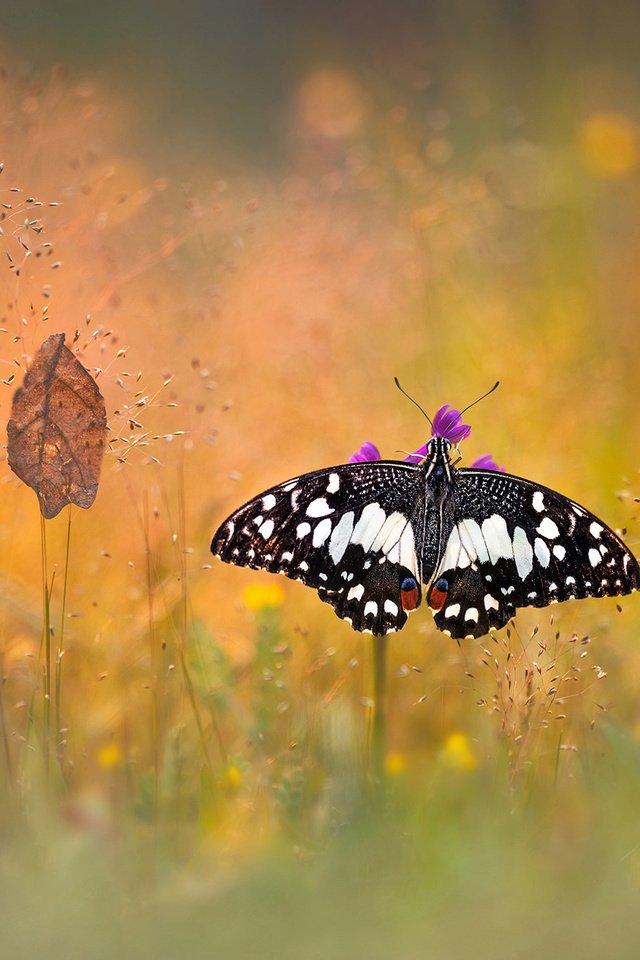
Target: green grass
454,863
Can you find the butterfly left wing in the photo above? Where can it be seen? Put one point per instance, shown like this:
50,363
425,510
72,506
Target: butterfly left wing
513,543
349,531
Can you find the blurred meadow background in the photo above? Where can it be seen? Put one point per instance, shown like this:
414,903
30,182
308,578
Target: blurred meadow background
254,216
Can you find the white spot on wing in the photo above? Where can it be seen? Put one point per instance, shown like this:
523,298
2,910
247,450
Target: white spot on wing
473,541
370,607
341,536
322,532
522,553
355,593
595,529
289,486
594,557
538,501
497,539
548,529
367,527
319,508
471,615
287,556
334,483
267,529
542,552
391,607
559,551
302,530
490,603
454,555
268,502
389,533
452,610
404,550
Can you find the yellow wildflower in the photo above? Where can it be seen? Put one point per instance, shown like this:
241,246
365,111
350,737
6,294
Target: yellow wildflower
233,777
609,144
259,596
457,752
110,756
395,764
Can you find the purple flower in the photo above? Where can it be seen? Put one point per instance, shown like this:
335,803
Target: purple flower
486,462
368,451
448,423
419,455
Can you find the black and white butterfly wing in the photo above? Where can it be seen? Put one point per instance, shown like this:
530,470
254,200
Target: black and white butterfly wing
513,543
352,532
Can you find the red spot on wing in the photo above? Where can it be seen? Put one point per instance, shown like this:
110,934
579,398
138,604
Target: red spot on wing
410,599
437,599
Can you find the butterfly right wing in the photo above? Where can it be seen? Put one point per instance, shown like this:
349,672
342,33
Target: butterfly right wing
352,532
514,543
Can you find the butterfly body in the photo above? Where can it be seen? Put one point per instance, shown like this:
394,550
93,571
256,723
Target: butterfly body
369,536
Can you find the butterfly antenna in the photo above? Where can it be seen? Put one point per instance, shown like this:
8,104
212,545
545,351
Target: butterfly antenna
484,395
415,402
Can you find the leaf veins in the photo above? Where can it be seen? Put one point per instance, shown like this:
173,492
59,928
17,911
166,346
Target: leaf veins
56,434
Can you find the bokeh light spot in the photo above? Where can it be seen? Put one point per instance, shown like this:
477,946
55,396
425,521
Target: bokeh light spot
458,753
609,144
110,756
259,596
395,764
331,103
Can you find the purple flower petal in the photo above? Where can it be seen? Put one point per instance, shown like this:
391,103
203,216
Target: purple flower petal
448,423
486,462
419,455
368,451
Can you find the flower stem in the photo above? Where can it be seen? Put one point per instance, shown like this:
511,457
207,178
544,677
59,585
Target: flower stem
379,726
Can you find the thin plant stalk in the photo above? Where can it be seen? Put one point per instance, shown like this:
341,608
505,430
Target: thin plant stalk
60,647
379,723
153,654
3,727
46,644
184,627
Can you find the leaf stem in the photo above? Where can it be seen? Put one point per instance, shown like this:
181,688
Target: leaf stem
60,647
46,645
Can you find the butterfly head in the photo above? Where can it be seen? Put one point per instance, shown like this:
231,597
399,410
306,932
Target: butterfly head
437,467
437,453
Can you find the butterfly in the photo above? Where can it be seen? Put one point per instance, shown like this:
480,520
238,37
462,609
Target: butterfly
374,537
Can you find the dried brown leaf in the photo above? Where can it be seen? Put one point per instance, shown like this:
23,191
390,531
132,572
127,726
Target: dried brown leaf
57,430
